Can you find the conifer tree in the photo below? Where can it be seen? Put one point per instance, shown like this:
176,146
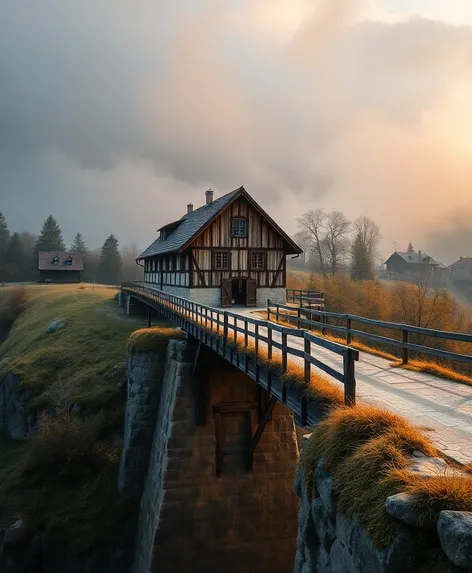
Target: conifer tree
50,238
410,248
361,262
15,260
4,237
79,245
109,268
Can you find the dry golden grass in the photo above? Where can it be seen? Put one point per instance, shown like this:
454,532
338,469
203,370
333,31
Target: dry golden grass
434,368
359,447
436,493
151,339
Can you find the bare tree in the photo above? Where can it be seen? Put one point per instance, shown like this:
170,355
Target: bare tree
336,239
312,226
131,271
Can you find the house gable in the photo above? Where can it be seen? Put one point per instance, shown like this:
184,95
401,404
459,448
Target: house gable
187,230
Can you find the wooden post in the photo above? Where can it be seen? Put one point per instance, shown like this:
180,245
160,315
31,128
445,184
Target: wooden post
323,321
405,350
256,344
348,330
269,358
307,379
349,378
225,332
277,313
299,317
284,365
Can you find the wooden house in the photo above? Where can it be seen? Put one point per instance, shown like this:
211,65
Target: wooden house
60,267
228,252
461,270
415,264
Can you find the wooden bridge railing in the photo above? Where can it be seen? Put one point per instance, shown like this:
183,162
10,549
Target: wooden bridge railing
220,330
310,298
313,319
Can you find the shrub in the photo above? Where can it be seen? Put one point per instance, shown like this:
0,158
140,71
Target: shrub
12,306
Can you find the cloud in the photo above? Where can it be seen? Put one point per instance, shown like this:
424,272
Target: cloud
114,117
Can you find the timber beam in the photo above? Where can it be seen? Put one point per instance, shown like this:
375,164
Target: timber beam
259,432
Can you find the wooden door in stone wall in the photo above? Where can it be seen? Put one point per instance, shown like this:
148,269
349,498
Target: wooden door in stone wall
233,425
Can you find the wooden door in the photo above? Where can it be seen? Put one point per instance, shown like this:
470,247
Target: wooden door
226,292
251,288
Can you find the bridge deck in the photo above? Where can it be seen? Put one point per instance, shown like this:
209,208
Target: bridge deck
442,407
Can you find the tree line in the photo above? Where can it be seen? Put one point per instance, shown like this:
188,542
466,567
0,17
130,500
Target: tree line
332,243
106,265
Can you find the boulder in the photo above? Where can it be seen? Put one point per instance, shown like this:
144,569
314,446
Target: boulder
402,507
455,534
56,325
426,467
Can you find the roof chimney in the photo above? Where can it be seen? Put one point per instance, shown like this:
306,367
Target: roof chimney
209,196
189,208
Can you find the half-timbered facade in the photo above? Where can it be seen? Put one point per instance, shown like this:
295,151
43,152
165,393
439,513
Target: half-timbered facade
228,252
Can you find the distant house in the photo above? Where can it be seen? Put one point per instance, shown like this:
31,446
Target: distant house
461,270
228,252
60,267
415,264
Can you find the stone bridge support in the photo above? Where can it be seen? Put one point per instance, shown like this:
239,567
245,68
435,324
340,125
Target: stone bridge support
193,520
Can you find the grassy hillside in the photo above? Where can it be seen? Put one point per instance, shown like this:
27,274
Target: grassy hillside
63,480
88,352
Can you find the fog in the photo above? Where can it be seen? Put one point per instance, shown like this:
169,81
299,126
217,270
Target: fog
114,115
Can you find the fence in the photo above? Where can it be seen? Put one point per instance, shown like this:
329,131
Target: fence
304,318
222,331
312,298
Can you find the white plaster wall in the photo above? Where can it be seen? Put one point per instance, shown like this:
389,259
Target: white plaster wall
277,294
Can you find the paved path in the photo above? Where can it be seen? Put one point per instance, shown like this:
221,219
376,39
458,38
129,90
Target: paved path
442,407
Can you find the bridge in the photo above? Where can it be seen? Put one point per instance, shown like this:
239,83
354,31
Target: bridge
267,352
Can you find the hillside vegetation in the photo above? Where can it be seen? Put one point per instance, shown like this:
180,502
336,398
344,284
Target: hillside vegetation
62,481
422,305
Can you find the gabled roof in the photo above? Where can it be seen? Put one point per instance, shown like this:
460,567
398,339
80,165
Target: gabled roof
463,262
192,224
46,261
415,258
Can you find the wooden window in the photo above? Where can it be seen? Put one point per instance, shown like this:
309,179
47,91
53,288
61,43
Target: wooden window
239,227
69,261
221,260
257,260
55,260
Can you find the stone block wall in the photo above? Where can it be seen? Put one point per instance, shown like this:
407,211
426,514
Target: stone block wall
145,375
192,520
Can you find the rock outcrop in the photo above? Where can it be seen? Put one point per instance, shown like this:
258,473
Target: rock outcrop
17,420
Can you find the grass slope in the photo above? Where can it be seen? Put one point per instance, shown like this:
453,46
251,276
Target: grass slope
63,480
89,350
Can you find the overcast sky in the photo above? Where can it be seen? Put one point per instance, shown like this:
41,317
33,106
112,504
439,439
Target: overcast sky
115,114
